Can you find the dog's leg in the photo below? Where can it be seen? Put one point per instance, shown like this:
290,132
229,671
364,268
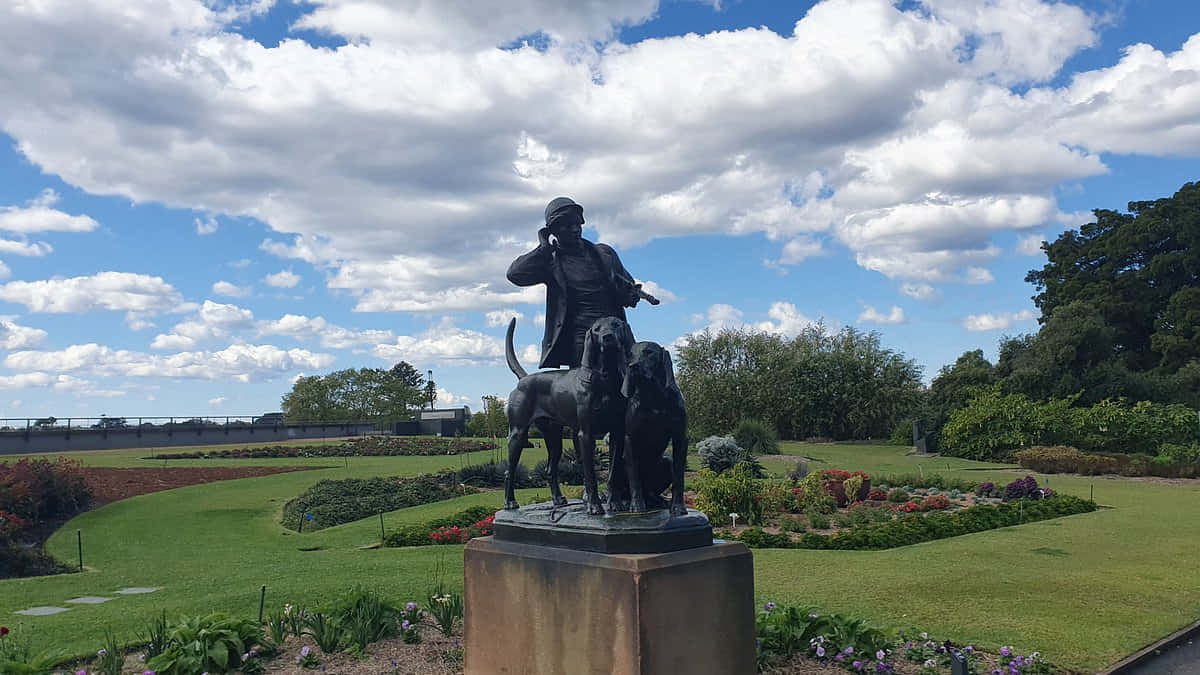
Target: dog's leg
553,434
517,438
585,448
633,473
679,447
618,485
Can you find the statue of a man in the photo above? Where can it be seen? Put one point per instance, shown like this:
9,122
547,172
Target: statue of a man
584,282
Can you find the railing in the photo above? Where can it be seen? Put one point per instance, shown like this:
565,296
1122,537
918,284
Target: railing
178,423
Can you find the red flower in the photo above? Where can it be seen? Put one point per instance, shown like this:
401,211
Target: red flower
3,631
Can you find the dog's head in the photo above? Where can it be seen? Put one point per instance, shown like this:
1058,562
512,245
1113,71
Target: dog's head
606,347
650,367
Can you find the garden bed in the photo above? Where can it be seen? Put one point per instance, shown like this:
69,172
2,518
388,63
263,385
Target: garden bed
113,484
364,446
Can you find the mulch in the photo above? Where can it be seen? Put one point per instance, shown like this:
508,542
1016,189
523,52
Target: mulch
113,484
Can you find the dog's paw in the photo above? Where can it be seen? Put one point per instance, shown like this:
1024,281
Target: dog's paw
596,509
637,506
560,501
511,505
678,510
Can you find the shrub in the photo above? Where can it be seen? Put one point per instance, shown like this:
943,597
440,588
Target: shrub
42,489
756,437
937,502
929,480
492,474
363,446
1020,488
211,643
810,494
852,486
902,434
419,535
720,453
897,496
333,502
987,489
1179,453
1065,459
792,525
755,537
819,521
735,491
775,497
366,617
877,495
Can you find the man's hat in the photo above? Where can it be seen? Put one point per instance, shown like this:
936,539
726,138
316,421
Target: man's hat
558,205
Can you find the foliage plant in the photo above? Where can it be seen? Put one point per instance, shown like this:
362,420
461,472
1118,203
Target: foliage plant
852,486
810,495
720,453
756,437
209,643
1020,488
362,446
366,618
277,627
296,618
410,623
734,491
446,608
333,502
109,659
327,631
419,535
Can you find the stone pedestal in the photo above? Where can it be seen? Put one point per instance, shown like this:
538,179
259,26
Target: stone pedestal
539,610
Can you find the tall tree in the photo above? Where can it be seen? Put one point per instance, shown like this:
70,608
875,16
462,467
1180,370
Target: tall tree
354,394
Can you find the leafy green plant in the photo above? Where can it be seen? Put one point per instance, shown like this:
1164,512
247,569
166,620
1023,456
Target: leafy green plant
810,494
333,502
446,608
277,627
155,636
366,618
210,643
418,535
819,521
784,633
296,618
792,525
110,659
327,631
756,437
410,623
735,491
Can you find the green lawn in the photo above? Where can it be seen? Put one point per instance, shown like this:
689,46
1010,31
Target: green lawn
1084,590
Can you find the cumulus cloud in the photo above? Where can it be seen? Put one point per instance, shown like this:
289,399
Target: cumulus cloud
59,383
1030,244
38,216
241,362
104,291
446,398
230,289
986,322
217,401
783,318
500,317
213,321
16,336
917,189
326,334
918,291
444,343
282,279
872,315
206,225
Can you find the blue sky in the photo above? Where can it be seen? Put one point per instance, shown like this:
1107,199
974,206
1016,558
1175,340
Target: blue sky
200,201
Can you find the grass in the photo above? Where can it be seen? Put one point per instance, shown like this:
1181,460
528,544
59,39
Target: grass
1084,590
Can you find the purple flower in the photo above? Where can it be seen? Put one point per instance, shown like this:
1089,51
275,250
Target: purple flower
1006,651
880,654
1012,670
305,651
908,645
840,658
405,625
410,606
997,671
857,665
969,649
147,672
769,606
820,653
848,650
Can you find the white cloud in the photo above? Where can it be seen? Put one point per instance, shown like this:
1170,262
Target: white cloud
15,336
916,189
444,343
241,362
212,321
217,401
798,250
5,272
531,355
282,279
445,399
986,322
24,248
327,334
205,226
500,317
230,289
59,383
1030,244
785,319
240,263
979,275
37,216
103,291
872,315
919,291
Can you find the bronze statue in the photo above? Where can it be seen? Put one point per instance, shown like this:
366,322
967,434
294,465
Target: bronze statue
584,282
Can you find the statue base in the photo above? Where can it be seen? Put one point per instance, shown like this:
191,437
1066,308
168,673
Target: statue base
571,527
538,610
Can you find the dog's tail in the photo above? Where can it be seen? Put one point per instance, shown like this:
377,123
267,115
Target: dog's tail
513,364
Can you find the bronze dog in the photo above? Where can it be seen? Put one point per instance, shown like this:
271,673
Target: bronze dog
587,399
654,416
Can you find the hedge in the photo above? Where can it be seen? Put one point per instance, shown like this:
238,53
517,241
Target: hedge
333,502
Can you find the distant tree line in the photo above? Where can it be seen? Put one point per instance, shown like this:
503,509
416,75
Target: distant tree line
359,394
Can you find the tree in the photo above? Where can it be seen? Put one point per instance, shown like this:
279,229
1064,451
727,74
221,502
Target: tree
354,394
840,384
1129,267
954,387
491,422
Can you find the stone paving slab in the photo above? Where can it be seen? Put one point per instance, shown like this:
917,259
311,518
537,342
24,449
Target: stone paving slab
42,611
88,600
138,590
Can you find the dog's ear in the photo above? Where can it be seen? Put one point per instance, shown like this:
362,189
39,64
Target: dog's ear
668,372
591,351
627,385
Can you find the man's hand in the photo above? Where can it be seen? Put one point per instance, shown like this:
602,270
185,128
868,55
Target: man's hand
544,237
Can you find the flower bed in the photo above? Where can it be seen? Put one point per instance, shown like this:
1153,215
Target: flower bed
366,446
36,496
455,529
333,502
805,515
